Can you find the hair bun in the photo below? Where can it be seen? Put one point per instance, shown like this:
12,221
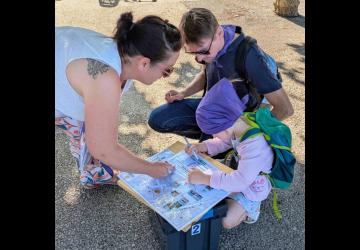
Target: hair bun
123,26
126,17
125,22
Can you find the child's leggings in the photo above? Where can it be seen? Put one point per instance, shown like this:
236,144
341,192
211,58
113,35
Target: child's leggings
92,172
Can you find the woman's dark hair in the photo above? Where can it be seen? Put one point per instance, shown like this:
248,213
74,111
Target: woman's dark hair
151,37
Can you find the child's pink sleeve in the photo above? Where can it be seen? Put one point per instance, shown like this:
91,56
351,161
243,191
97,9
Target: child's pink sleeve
236,181
255,156
216,145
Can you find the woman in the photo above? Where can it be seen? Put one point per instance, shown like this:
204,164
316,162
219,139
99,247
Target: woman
92,71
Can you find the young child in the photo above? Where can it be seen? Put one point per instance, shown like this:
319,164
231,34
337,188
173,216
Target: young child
220,114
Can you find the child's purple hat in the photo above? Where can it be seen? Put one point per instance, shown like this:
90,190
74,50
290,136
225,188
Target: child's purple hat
220,108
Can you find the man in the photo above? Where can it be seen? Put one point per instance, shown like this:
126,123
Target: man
215,46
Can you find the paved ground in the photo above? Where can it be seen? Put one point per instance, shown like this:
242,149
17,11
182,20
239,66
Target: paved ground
108,218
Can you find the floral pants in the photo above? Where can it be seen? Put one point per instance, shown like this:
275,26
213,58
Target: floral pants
93,173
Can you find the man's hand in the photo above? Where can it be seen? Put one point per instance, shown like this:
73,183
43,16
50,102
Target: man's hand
196,176
174,95
159,169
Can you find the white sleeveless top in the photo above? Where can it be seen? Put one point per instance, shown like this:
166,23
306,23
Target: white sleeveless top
73,43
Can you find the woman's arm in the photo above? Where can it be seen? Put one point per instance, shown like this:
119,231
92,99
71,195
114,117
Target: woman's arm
101,90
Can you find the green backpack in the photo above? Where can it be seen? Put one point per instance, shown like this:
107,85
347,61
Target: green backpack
278,135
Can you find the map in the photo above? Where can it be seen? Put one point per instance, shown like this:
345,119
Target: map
177,201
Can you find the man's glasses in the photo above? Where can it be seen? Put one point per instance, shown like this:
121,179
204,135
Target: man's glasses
207,52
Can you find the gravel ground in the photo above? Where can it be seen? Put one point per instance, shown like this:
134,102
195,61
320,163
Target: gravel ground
109,218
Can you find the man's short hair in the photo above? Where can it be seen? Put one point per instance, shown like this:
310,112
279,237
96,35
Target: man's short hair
197,24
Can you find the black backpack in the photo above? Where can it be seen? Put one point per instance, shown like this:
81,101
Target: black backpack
255,98
246,86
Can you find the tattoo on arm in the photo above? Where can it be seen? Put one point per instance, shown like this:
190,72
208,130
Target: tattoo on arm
95,67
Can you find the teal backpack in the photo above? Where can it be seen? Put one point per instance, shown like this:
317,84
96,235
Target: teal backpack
278,135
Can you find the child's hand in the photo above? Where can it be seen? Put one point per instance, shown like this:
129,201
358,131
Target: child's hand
197,147
196,176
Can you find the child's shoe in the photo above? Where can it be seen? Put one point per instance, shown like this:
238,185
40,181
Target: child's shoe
249,220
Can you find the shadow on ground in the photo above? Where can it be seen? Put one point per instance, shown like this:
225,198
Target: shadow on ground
292,224
185,74
299,20
294,73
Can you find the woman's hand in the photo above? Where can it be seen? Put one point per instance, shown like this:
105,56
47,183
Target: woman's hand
197,147
196,176
174,95
159,169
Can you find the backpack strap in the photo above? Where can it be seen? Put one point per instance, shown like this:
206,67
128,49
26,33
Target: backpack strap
238,29
274,202
240,58
250,118
280,147
241,54
275,206
250,133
